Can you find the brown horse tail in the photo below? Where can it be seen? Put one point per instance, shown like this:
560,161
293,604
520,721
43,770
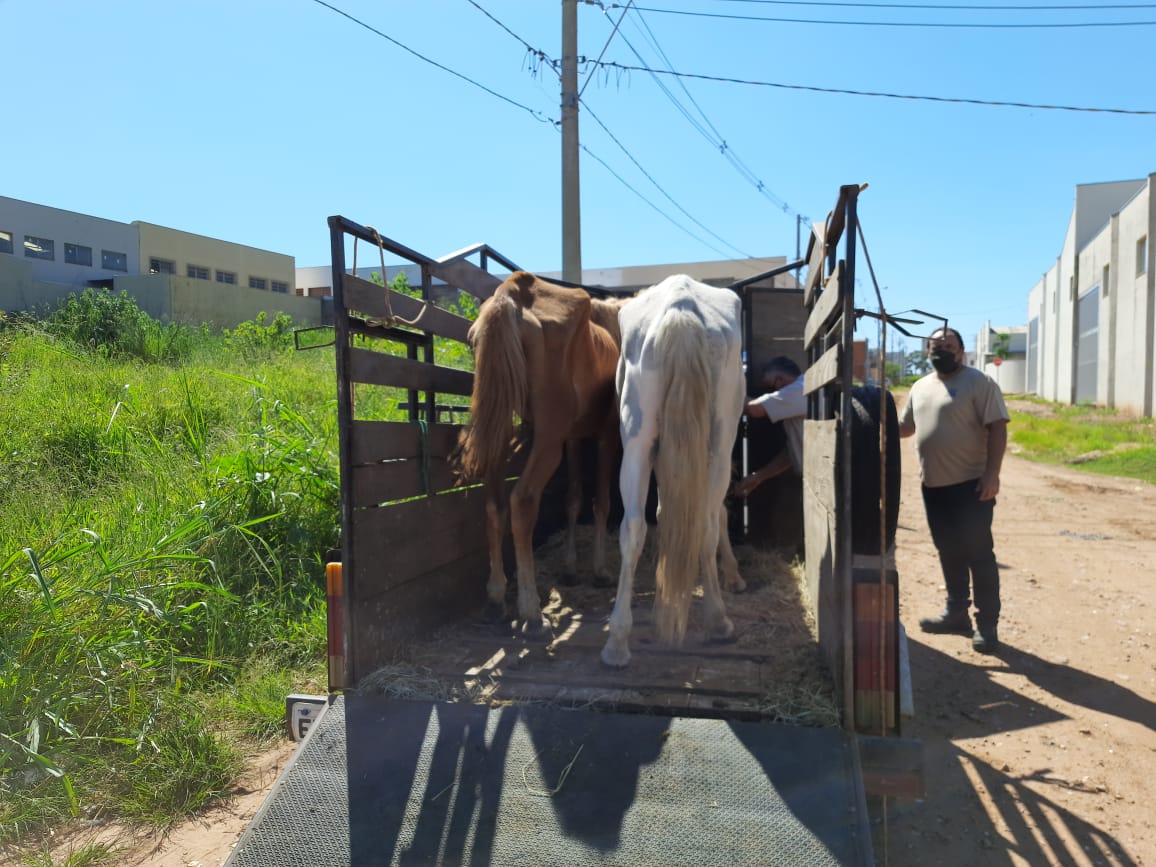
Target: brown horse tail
499,389
681,467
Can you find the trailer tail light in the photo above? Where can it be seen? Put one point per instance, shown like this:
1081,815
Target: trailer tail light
335,622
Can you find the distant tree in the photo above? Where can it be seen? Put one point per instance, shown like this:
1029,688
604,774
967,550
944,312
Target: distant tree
917,363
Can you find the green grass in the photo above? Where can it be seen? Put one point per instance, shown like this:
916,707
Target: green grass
168,496
1095,440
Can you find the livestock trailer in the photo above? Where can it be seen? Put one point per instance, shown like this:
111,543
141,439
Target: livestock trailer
447,740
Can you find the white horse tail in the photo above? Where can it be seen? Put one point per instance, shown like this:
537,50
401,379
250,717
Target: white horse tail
681,467
500,388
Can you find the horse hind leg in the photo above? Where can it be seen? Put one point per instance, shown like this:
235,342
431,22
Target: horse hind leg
608,448
569,575
497,514
634,479
545,456
728,566
719,627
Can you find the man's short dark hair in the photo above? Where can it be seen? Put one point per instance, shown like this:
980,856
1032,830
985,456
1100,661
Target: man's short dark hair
781,364
958,336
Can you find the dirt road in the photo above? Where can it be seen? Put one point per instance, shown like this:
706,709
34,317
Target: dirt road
1046,753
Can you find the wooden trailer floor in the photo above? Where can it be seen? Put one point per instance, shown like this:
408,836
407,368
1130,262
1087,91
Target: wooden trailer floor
397,782
772,671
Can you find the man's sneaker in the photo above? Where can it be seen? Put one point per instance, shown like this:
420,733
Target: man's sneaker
947,623
986,640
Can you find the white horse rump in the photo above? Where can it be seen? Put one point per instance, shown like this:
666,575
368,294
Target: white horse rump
680,396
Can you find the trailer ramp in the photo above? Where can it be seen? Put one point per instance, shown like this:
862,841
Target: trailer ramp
396,782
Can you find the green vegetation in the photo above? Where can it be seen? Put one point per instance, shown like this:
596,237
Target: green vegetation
1097,440
168,498
169,495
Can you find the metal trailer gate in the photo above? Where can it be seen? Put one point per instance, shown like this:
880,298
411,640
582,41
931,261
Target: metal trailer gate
386,781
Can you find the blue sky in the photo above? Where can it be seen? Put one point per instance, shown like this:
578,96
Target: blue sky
254,120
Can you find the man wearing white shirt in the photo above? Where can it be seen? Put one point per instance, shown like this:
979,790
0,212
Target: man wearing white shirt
785,402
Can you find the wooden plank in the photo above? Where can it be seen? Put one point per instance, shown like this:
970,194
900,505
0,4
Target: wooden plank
393,544
468,276
816,261
377,368
385,625
376,301
892,766
820,445
824,371
826,309
376,484
875,663
372,441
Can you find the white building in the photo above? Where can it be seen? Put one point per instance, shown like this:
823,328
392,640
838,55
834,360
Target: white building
1092,316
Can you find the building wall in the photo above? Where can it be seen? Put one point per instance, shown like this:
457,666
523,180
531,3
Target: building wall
217,258
1110,225
99,236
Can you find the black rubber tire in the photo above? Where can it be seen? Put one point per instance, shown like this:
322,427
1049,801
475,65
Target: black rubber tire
865,474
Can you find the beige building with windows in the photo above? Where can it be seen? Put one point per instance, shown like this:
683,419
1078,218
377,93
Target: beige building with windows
47,254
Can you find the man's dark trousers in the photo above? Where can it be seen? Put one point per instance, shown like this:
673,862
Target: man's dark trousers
960,526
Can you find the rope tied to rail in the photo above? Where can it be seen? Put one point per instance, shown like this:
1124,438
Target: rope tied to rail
391,319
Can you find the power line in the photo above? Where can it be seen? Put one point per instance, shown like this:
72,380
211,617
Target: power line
883,94
534,112
717,140
629,156
933,24
950,7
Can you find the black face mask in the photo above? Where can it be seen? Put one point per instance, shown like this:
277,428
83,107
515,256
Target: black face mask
943,360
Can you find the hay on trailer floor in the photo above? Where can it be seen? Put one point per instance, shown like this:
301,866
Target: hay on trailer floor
772,671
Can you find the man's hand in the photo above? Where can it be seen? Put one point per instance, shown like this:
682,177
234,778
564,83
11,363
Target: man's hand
746,485
988,486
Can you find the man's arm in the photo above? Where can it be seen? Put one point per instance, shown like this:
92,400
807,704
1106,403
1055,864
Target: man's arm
778,465
996,446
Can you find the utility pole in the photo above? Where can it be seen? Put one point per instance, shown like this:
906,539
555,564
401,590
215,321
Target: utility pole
571,201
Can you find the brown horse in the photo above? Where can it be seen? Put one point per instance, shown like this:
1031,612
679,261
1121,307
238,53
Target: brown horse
547,354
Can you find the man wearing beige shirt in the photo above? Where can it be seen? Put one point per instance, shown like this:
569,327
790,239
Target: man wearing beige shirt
959,420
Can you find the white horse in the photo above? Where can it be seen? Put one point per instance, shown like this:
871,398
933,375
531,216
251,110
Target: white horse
680,396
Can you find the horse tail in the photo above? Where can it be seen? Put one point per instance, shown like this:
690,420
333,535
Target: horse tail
681,467
500,389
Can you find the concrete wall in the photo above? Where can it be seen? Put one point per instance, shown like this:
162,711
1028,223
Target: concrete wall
196,301
23,219
1009,375
1108,226
217,257
20,292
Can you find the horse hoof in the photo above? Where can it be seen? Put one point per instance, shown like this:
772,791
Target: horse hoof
494,612
568,579
612,658
738,585
724,633
537,630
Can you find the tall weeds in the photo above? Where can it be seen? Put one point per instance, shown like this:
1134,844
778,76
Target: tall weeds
166,498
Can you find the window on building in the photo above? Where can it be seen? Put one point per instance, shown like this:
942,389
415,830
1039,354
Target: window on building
39,248
258,283
279,286
229,277
1142,256
77,254
113,261
162,266
1104,281
197,272
5,242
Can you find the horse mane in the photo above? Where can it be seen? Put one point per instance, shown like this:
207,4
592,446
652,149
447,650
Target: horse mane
681,467
500,387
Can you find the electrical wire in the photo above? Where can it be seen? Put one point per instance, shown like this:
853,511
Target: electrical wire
932,24
874,93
